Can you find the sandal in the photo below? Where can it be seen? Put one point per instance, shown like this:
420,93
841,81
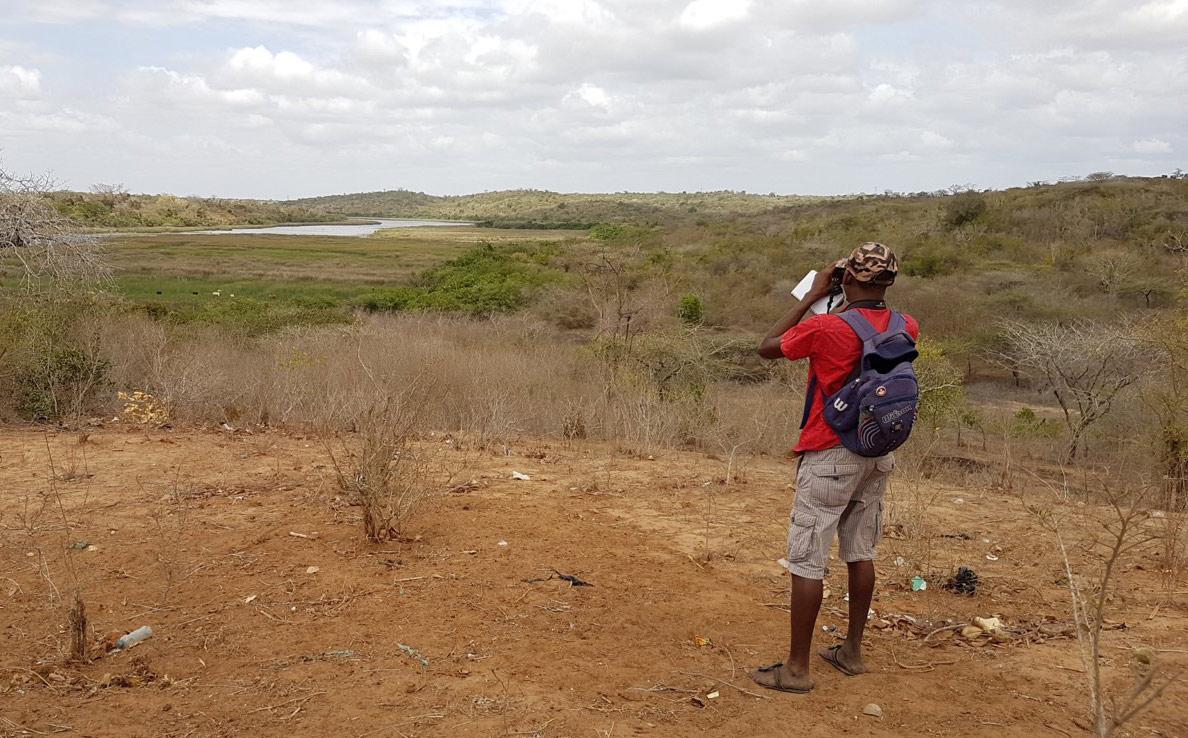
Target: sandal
769,678
830,655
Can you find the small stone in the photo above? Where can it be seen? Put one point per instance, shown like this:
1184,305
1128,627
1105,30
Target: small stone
873,710
971,631
312,570
989,625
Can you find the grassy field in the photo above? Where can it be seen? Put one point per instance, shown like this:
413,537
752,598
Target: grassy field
257,283
184,267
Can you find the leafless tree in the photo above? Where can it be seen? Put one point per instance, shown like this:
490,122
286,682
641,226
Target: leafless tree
1085,365
53,254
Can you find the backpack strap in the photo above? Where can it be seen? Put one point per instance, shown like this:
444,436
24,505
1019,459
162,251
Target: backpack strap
810,394
898,323
860,325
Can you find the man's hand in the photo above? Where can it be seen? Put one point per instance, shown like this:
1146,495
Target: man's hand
822,284
769,347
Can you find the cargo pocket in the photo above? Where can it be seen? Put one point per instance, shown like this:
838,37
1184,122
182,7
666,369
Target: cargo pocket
885,464
834,484
802,537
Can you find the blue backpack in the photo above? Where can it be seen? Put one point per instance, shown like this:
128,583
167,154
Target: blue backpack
875,409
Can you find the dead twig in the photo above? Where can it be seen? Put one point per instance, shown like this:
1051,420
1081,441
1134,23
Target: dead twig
958,626
300,700
725,683
534,731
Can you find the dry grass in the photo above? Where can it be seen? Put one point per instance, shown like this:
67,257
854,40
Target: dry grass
493,380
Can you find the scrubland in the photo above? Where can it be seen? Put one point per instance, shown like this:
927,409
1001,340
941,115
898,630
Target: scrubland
199,413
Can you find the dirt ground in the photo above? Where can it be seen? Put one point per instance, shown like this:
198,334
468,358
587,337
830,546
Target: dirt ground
212,538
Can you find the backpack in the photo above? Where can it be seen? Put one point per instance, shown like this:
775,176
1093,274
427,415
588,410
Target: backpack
875,409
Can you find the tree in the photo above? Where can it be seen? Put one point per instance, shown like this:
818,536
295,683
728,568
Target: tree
51,250
1085,365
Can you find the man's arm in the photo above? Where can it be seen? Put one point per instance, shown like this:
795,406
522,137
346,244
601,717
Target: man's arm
769,347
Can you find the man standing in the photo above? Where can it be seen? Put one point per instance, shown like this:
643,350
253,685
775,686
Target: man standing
837,490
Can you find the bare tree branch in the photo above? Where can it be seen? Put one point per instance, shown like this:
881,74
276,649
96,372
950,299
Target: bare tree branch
51,251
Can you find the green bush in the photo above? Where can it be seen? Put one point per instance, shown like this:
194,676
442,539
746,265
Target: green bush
59,382
942,393
483,281
247,316
964,208
1026,424
51,364
606,231
691,310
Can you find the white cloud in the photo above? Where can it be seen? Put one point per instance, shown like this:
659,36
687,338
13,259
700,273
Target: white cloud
461,95
888,94
700,15
286,71
594,96
1151,146
19,82
932,139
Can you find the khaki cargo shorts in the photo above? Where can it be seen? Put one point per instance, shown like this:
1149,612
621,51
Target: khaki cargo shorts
837,492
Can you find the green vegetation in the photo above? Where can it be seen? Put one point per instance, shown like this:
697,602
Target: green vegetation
540,208
111,208
1092,249
53,364
483,281
691,310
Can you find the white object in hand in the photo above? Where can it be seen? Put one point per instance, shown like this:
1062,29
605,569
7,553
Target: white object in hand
825,304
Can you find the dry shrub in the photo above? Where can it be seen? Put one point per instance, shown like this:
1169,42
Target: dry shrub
1173,554
382,468
1118,530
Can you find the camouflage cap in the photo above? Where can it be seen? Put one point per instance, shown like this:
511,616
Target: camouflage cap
872,263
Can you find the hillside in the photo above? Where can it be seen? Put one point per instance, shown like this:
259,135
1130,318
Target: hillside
552,208
114,209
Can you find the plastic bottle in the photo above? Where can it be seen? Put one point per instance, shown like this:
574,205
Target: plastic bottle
136,636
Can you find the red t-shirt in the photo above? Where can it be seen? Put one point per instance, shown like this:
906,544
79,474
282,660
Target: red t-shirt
833,349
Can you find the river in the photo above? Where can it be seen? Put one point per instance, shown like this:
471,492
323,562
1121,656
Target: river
341,229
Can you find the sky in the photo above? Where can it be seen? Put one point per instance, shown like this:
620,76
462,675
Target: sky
289,98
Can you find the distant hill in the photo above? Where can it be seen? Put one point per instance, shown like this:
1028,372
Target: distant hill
526,207
115,209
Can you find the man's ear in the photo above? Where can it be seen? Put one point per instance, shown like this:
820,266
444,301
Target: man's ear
847,278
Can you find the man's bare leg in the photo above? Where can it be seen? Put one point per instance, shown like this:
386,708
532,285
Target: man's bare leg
862,580
806,605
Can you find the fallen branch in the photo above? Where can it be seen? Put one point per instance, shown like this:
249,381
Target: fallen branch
942,630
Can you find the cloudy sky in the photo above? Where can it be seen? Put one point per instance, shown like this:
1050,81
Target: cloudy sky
283,98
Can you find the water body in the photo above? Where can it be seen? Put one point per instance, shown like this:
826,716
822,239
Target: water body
325,229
